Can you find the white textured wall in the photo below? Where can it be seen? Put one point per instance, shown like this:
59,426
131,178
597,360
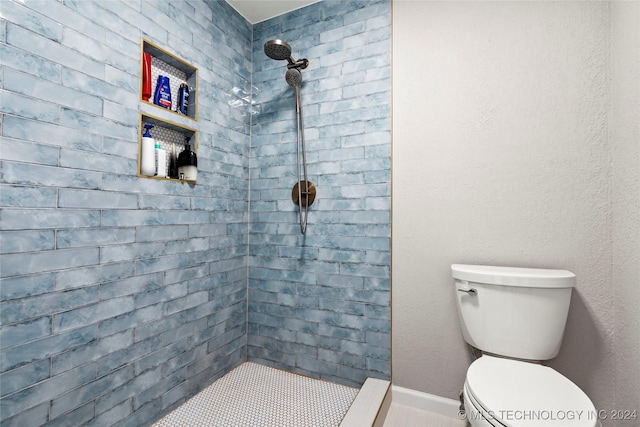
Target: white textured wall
625,185
501,156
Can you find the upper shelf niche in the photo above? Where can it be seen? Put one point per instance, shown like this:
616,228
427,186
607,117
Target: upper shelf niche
178,71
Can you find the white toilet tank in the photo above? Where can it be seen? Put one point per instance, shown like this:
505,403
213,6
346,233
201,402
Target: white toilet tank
513,312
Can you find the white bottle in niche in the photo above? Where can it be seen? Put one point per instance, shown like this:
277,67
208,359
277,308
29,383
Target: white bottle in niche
160,161
161,156
147,153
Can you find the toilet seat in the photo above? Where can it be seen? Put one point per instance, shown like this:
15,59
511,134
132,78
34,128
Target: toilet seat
520,394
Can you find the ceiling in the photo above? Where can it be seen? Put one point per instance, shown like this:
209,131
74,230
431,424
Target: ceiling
261,10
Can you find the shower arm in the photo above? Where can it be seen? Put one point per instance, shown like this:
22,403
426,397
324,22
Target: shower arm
300,63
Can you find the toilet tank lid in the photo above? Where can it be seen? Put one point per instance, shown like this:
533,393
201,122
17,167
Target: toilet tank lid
514,276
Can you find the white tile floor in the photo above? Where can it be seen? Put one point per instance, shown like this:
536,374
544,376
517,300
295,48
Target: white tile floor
254,395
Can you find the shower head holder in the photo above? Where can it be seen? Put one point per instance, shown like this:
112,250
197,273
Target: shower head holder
300,63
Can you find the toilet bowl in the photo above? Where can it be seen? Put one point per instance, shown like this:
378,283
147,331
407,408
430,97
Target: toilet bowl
516,318
502,392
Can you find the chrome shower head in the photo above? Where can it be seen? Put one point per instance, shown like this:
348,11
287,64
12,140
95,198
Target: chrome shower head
293,77
278,50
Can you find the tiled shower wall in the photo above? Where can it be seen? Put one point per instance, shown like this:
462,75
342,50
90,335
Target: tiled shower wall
319,304
121,296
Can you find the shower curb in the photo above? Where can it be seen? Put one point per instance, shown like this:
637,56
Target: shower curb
370,406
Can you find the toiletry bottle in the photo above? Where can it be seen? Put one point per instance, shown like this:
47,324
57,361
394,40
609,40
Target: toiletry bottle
146,76
162,96
183,98
147,154
160,161
173,163
188,164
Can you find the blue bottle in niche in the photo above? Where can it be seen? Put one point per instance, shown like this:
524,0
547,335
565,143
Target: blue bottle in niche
162,96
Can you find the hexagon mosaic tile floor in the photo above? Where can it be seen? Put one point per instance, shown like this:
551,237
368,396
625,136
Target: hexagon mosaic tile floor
254,395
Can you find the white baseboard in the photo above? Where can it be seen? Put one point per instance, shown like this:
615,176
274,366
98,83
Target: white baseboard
425,401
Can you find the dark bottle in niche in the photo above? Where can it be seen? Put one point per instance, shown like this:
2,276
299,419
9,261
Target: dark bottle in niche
183,98
188,163
173,163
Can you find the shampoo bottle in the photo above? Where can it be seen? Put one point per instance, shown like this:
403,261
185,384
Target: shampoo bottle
188,164
147,155
162,96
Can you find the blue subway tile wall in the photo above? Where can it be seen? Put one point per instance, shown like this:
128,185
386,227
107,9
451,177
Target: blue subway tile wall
120,297
319,304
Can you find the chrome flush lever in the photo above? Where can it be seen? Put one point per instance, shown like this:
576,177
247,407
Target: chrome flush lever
471,291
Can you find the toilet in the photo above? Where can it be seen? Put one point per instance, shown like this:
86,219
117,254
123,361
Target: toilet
516,318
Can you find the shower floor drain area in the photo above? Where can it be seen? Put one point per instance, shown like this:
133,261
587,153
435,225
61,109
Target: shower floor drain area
254,395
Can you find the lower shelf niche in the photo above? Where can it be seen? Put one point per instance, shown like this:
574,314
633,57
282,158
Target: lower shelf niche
170,136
